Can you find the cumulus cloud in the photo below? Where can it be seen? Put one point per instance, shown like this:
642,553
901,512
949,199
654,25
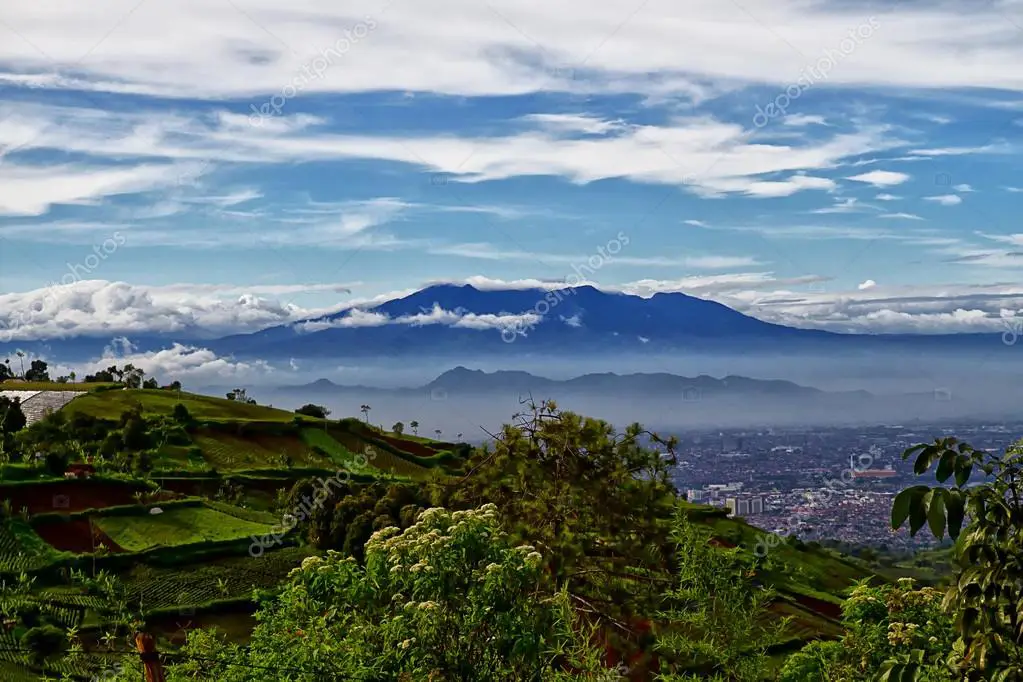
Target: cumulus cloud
102,308
869,284
191,365
881,178
945,199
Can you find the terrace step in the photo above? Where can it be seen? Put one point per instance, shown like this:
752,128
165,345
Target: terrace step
46,402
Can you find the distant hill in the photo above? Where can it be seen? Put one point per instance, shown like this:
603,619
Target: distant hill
466,381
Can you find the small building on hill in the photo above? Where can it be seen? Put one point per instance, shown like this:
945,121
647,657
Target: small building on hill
79,471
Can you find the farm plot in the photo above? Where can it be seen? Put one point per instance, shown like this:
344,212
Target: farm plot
77,536
21,549
186,588
378,457
69,496
225,452
177,526
301,454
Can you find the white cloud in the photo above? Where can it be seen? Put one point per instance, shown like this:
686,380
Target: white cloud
101,308
1000,148
699,153
33,190
695,223
884,196
188,364
901,216
881,178
869,284
799,120
503,49
945,199
964,188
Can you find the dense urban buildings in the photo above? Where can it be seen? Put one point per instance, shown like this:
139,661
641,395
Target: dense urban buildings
816,483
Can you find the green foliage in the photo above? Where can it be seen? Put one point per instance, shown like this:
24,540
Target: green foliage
38,371
311,410
987,593
893,632
447,599
44,642
598,504
717,625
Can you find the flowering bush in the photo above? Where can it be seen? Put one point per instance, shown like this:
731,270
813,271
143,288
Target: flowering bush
885,626
447,599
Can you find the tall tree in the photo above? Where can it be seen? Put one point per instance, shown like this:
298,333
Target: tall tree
598,505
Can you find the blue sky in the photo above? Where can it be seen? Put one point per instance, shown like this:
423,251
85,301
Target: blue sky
507,142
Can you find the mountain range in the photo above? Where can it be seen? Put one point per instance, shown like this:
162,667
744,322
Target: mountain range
461,321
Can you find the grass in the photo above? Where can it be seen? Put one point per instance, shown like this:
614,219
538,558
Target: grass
177,526
21,549
51,386
110,405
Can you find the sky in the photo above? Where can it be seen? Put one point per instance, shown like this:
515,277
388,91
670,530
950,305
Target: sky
239,164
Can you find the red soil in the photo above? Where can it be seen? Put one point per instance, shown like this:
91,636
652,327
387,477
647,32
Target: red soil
70,496
411,447
73,536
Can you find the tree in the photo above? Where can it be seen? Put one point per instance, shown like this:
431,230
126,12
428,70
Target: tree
447,599
884,625
5,370
415,427
365,411
398,428
38,371
181,415
21,356
44,642
598,505
437,432
311,410
132,376
12,419
241,396
987,590
150,383
716,598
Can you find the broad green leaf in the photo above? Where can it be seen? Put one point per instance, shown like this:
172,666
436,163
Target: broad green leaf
918,510
902,504
963,470
955,509
936,512
946,465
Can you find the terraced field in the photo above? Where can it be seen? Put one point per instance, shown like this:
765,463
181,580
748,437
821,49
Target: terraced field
177,526
21,549
225,579
110,405
378,457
